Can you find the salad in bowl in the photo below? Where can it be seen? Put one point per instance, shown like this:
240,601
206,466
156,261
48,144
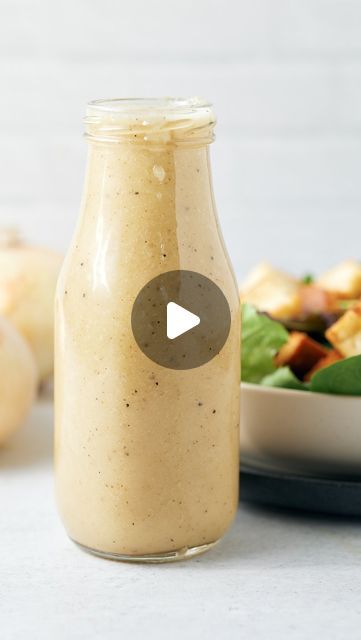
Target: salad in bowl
301,370
303,334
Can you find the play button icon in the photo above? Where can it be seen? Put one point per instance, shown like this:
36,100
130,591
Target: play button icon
180,319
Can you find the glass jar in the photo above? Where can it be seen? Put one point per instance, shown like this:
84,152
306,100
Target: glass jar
147,456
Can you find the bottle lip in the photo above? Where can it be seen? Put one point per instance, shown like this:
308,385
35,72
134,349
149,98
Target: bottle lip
150,120
168,105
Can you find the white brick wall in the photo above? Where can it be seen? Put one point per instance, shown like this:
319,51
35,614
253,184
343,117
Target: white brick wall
285,78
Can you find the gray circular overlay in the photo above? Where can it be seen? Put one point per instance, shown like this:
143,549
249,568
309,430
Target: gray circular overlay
198,295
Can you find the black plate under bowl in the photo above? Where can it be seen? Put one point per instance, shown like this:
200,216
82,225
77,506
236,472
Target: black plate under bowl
340,496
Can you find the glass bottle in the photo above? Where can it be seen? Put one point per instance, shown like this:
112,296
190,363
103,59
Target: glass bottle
146,455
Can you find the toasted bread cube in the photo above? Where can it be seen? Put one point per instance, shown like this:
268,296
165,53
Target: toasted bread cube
300,353
260,272
272,291
345,334
332,357
344,280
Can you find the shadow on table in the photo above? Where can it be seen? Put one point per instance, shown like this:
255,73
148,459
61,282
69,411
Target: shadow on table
280,534
33,443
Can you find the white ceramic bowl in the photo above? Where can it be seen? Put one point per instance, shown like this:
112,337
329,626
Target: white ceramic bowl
300,431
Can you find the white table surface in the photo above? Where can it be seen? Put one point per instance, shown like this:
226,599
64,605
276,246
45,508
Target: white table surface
275,575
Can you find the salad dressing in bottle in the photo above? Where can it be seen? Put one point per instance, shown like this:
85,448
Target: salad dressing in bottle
147,456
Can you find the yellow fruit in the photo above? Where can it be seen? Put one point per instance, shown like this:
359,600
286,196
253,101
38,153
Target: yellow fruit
18,377
28,277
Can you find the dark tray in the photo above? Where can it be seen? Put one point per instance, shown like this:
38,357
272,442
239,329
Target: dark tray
340,496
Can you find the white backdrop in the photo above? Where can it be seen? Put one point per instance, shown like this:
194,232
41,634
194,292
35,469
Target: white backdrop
285,78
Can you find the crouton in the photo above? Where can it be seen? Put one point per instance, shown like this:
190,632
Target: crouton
345,334
332,356
344,280
300,353
258,273
272,291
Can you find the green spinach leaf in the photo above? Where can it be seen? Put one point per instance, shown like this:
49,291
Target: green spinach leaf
343,377
262,338
285,379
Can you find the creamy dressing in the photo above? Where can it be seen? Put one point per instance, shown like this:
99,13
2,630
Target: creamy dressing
146,456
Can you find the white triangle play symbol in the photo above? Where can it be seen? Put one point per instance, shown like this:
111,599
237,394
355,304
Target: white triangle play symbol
179,320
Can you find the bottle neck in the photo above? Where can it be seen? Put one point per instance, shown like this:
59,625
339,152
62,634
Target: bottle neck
149,156
154,180
148,210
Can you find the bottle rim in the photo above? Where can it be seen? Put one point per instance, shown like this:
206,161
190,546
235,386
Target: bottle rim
130,105
150,120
